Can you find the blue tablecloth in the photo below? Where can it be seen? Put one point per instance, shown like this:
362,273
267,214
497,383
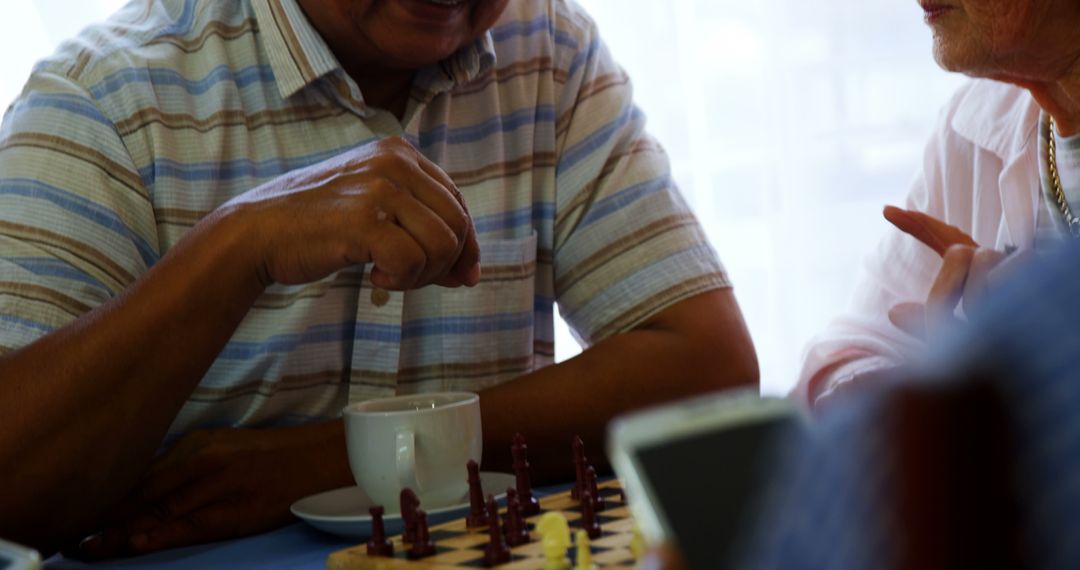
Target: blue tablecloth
293,547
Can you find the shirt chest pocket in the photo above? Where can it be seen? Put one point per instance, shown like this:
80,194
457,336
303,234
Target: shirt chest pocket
490,327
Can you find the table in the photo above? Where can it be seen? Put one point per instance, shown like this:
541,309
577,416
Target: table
297,546
294,547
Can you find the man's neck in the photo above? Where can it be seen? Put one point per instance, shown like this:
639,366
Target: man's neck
387,90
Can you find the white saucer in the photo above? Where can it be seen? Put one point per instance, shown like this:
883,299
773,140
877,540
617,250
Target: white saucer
344,511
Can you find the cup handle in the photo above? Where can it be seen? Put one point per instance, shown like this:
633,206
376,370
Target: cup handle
406,460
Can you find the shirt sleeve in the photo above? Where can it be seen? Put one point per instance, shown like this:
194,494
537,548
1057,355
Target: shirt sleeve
76,222
626,244
901,270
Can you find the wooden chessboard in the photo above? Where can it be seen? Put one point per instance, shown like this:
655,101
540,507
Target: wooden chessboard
459,547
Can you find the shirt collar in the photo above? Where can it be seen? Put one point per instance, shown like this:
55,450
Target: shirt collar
299,56
472,61
998,117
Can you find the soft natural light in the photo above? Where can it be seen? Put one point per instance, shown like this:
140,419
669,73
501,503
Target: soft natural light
789,124
31,29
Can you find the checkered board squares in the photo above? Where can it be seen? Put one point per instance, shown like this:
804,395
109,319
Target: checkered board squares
458,547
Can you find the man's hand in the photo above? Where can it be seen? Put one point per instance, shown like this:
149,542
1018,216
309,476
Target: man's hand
382,203
219,484
967,273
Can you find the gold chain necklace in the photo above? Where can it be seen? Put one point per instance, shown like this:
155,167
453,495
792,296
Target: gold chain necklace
1055,183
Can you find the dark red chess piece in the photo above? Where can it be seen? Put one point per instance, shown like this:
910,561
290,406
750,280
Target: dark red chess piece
516,530
590,477
529,505
511,495
422,546
579,468
496,552
477,515
588,516
379,545
409,504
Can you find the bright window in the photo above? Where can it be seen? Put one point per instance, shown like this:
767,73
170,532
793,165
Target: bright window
789,124
31,29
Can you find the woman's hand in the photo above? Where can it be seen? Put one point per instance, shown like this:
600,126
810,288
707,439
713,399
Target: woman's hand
968,273
219,484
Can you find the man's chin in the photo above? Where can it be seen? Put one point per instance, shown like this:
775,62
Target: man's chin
416,56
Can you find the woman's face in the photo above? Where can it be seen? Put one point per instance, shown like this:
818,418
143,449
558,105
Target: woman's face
1023,39
401,34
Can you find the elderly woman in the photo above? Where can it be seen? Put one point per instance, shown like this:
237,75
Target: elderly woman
1001,173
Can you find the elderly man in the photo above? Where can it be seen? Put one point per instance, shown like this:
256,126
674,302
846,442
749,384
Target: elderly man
245,214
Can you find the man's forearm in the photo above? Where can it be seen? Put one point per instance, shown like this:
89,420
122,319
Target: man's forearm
698,345
86,406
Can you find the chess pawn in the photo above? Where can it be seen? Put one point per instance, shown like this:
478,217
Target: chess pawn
379,545
588,516
422,546
583,559
409,504
496,552
590,478
637,543
517,531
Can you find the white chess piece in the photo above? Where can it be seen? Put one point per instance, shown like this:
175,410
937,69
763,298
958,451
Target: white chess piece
555,539
584,552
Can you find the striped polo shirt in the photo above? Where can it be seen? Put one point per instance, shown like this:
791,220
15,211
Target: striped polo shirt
141,126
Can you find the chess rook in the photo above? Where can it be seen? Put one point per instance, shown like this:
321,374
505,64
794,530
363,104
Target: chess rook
378,545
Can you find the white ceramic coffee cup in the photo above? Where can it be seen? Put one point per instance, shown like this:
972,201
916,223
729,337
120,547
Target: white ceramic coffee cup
419,441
